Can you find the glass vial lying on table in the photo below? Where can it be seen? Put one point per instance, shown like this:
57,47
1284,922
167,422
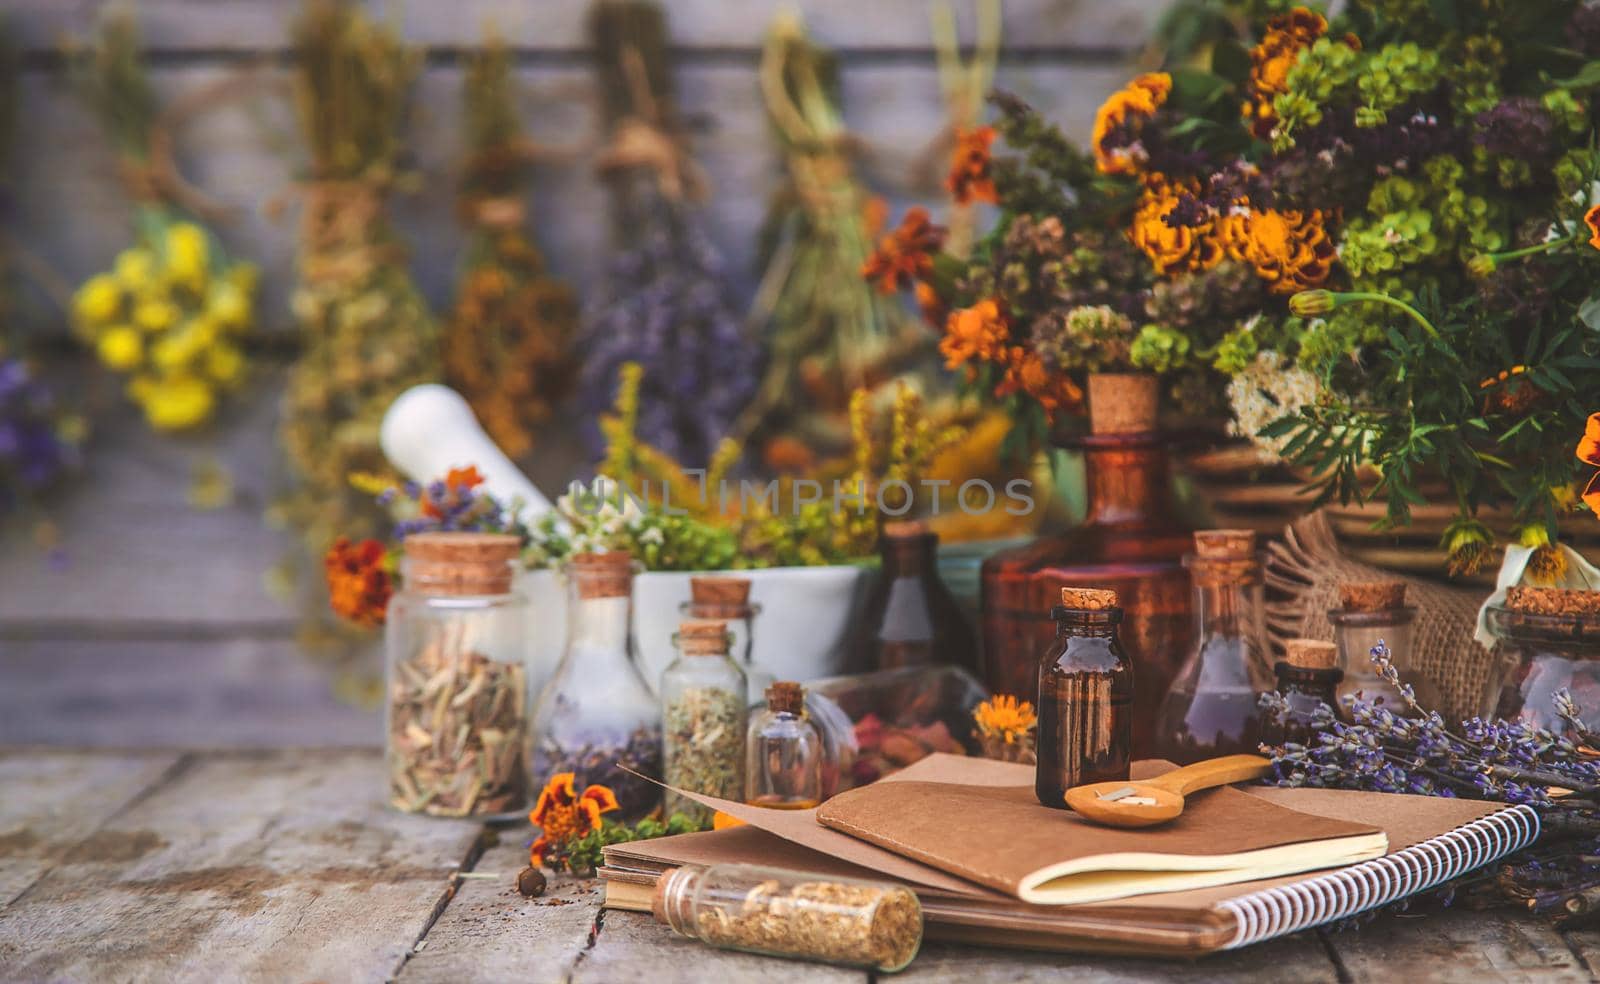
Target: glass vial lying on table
1308,677
457,709
1085,698
854,923
1371,611
596,716
703,719
1212,708
727,599
783,764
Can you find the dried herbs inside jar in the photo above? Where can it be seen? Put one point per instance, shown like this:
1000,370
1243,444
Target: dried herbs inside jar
703,698
873,925
506,346
665,303
458,693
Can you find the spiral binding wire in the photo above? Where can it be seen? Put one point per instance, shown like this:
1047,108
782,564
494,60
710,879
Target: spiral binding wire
1336,895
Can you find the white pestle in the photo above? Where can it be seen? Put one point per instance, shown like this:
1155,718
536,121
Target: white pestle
430,429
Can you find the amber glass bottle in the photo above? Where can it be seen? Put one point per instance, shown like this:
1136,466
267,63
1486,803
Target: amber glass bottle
911,618
1308,677
1085,698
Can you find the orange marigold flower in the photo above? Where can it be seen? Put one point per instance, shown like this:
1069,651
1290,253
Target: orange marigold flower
1286,36
1119,120
1591,219
1171,248
1005,718
978,333
1026,373
561,814
1291,251
905,256
359,584
970,179
1589,454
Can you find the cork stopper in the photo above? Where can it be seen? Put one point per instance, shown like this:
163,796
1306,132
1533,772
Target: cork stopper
718,590
602,575
786,697
1552,601
905,529
1372,596
459,563
1088,599
1225,544
1311,654
703,637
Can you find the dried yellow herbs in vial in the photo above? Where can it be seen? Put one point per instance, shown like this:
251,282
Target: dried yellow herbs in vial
872,925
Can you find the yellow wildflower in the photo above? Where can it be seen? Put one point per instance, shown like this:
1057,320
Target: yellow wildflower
177,402
228,304
135,269
186,254
120,347
155,313
173,352
224,364
98,300
1005,717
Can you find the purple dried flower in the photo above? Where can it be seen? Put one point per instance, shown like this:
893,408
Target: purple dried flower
1518,126
35,447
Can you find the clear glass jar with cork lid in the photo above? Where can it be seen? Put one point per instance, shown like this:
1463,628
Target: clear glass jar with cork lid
1085,698
595,717
1370,612
703,714
1551,642
457,706
727,598
1212,708
784,752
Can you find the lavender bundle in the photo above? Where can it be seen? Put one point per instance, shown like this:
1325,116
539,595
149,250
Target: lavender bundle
663,304
1558,774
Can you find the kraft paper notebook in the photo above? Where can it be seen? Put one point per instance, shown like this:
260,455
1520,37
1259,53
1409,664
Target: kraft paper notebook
971,877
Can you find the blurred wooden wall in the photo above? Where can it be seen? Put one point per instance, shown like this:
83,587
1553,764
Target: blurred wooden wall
151,594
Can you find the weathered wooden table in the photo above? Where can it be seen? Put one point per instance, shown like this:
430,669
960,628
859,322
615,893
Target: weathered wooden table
285,866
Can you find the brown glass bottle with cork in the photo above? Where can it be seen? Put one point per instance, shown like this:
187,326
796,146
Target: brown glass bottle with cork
911,618
1308,677
1085,698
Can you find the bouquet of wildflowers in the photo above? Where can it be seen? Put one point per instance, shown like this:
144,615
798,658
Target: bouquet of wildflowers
173,309
1374,237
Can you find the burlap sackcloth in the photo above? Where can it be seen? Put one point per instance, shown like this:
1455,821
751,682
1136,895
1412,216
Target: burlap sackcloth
1303,574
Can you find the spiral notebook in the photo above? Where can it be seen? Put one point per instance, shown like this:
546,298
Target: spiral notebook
1429,840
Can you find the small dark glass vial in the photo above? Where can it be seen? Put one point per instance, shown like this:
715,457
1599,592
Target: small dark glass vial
1085,698
1308,678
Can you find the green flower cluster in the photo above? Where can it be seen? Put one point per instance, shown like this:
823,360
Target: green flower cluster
1474,75
1091,337
1327,67
1159,349
1392,75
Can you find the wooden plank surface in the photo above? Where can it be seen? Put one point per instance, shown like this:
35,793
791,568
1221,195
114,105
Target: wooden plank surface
51,801
286,866
242,867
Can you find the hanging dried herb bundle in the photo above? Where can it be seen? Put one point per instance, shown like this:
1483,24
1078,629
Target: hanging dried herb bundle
664,303
828,332
170,312
367,331
506,347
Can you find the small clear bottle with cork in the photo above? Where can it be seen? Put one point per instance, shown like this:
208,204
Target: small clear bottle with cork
1371,611
1308,677
703,703
784,751
595,717
1085,698
1212,708
727,599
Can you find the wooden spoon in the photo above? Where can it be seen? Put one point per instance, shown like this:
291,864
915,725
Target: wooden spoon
1147,802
